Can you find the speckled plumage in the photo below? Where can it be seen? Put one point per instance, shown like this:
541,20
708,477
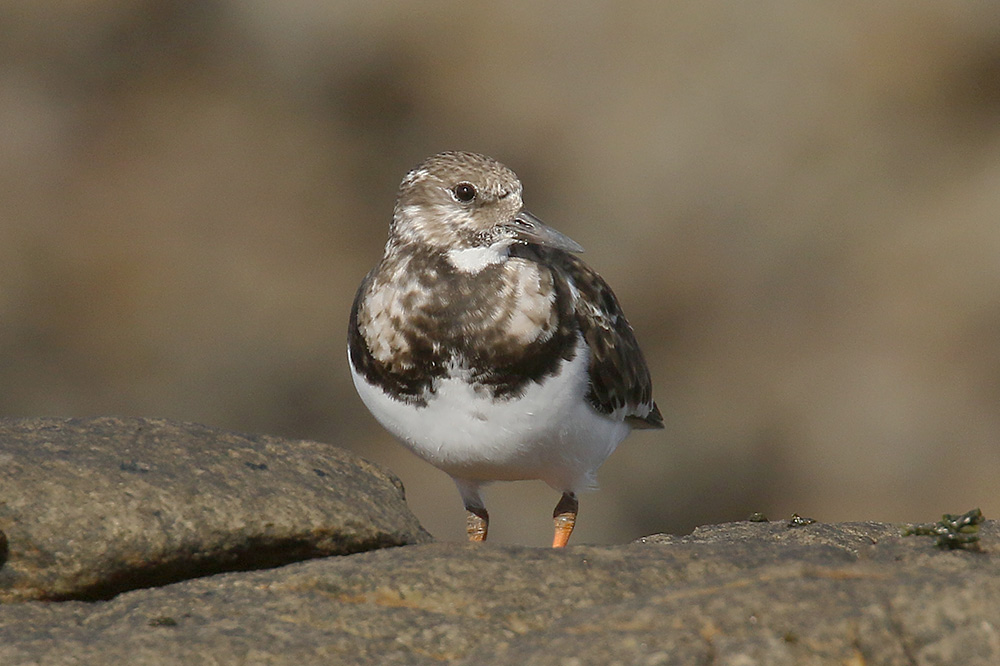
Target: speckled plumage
472,291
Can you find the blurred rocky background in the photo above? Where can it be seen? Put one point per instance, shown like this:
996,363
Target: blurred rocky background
797,203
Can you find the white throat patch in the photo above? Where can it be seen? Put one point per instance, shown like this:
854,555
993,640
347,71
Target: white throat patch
475,259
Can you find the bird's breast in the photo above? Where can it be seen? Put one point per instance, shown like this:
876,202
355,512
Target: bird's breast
502,326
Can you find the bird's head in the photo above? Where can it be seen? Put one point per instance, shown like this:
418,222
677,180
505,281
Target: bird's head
469,206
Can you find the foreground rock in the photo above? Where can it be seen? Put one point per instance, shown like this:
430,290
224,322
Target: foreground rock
92,507
744,593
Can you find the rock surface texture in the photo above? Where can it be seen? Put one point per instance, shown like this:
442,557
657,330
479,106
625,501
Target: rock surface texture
741,593
92,507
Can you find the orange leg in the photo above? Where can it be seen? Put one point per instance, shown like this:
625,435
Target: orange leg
564,518
477,523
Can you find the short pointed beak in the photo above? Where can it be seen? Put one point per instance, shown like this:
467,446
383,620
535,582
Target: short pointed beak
530,229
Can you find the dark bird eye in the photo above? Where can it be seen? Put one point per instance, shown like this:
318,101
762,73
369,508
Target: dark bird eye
465,192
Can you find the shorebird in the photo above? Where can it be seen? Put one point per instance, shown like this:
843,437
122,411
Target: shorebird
488,348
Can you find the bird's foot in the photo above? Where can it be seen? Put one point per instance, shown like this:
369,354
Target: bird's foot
564,518
477,523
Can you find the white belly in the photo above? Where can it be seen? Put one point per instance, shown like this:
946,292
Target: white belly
550,433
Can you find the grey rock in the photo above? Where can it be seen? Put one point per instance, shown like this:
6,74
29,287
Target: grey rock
92,507
744,593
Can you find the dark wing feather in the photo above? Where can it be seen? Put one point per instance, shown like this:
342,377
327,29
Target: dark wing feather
619,378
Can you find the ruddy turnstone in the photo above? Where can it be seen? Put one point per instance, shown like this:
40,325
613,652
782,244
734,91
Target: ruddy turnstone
489,349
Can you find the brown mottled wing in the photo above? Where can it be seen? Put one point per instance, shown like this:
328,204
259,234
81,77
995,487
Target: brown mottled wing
619,378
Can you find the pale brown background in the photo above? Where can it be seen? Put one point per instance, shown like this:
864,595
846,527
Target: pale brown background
797,203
